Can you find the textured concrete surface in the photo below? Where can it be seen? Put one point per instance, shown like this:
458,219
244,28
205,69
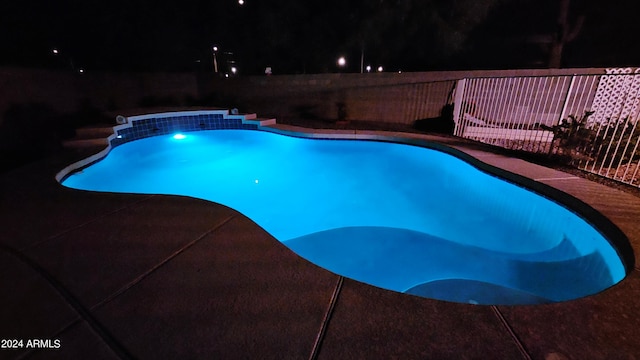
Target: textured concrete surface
117,276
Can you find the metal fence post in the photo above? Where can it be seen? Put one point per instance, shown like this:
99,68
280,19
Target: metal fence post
457,104
566,99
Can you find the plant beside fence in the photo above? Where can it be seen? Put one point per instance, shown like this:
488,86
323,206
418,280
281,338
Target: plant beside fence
572,139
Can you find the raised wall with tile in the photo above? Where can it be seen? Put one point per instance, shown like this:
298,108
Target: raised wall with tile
139,127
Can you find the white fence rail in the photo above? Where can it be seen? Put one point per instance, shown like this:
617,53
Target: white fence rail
591,119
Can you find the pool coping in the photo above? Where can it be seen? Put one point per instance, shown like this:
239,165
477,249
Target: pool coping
612,233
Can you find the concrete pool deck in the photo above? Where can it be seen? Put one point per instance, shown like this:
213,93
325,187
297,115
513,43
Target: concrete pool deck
117,276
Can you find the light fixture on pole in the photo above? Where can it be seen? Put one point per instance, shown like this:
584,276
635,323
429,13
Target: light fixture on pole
215,60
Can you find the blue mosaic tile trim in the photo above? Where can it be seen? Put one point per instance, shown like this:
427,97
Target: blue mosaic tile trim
168,125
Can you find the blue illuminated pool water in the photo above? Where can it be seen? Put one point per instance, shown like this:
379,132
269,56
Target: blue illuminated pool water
401,217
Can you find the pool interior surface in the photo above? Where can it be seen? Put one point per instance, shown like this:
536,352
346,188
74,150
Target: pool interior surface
400,217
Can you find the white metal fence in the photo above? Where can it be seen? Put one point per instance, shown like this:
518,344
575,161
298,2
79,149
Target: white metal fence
589,119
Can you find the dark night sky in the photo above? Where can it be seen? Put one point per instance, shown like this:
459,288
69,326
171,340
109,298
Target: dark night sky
308,36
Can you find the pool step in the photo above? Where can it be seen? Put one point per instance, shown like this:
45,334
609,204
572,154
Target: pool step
92,132
90,136
260,121
84,143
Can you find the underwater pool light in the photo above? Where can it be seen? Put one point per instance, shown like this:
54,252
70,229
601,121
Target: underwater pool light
179,136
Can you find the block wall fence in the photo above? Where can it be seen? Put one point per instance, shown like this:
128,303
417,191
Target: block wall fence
387,97
400,98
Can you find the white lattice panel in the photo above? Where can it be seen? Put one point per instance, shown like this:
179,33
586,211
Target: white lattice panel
618,96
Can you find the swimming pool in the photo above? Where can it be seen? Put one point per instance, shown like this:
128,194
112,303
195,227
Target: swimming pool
400,217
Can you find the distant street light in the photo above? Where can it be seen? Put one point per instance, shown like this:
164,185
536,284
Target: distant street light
63,57
240,2
368,68
380,69
342,62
